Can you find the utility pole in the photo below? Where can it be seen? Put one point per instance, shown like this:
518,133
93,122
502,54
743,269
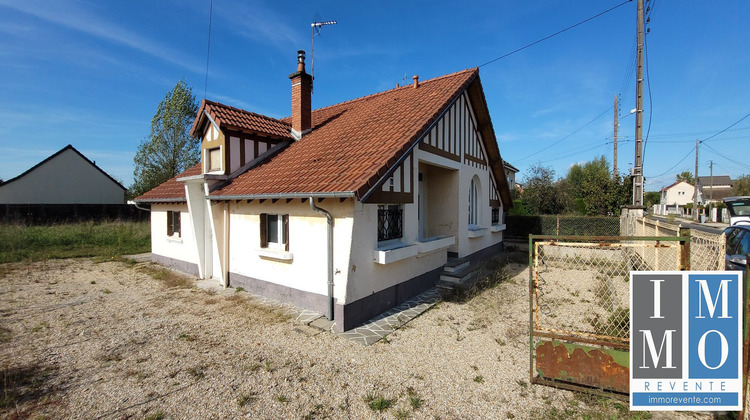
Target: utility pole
614,169
638,167
695,194
711,194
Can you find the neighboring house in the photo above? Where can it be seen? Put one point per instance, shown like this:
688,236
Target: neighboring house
715,188
387,186
675,197
66,177
510,173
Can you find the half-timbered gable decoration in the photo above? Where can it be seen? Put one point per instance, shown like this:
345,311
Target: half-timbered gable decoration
233,137
494,194
399,187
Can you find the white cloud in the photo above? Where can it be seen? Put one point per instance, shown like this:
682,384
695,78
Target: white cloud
76,18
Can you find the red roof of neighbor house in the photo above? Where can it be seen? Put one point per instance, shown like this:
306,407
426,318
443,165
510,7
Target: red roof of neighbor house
230,117
170,190
354,143
675,183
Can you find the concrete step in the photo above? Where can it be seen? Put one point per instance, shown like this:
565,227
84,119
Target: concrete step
456,265
463,278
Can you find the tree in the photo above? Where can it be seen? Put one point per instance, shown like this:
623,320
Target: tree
686,176
540,194
651,198
169,149
595,191
742,185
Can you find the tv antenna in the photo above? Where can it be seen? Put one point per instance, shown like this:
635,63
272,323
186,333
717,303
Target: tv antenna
315,26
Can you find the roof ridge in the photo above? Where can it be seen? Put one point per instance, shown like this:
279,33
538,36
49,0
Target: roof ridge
210,102
372,95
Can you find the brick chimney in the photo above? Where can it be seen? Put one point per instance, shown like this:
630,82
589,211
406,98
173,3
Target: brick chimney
301,98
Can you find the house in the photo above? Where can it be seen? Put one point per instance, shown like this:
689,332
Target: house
510,174
347,210
674,198
66,177
714,188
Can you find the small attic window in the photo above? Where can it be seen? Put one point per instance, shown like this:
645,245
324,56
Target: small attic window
214,160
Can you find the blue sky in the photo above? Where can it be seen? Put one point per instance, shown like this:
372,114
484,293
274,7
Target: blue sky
91,73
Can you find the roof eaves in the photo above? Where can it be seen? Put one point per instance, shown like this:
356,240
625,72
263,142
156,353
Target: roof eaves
275,196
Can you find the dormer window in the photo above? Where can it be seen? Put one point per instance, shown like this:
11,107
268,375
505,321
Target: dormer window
214,160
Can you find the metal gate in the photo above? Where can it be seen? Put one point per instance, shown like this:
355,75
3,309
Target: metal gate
579,305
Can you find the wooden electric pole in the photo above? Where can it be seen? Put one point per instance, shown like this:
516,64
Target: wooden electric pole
695,194
614,168
711,194
638,167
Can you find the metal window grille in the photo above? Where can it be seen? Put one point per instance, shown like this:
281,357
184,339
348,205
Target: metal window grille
495,216
390,224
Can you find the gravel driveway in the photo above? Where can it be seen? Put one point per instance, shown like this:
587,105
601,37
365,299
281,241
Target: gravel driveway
86,339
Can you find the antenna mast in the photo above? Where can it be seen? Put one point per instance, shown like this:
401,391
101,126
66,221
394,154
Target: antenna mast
315,27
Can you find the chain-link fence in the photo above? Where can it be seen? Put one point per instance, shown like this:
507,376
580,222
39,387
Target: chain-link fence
580,305
580,285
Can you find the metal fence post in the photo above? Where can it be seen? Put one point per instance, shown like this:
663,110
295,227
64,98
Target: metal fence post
531,308
745,339
684,233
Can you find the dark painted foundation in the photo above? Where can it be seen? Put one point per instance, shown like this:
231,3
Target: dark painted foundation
348,316
179,265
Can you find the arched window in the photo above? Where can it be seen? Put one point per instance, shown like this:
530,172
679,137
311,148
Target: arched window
474,202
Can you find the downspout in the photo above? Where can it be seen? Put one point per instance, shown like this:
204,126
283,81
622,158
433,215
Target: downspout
225,257
330,255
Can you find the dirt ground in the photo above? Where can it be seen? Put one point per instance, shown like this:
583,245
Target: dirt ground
87,339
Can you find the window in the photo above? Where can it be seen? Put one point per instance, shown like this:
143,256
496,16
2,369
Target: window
474,203
173,223
390,222
274,231
495,215
214,160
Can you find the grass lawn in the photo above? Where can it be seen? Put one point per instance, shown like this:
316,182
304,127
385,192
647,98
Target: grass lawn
85,239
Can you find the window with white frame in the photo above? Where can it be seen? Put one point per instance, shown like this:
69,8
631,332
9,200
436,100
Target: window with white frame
274,231
474,204
174,227
390,222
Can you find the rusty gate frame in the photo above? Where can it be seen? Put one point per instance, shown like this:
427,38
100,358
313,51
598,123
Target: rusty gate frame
597,343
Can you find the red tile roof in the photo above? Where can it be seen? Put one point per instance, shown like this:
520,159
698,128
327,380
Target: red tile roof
239,119
170,190
353,144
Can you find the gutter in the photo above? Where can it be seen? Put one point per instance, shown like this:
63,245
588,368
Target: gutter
330,255
135,203
279,196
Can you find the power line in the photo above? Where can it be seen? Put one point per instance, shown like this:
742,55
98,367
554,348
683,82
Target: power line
569,135
732,125
675,165
555,34
208,49
743,165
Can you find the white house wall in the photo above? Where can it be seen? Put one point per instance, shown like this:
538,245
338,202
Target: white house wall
367,277
679,194
178,252
307,269
65,179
